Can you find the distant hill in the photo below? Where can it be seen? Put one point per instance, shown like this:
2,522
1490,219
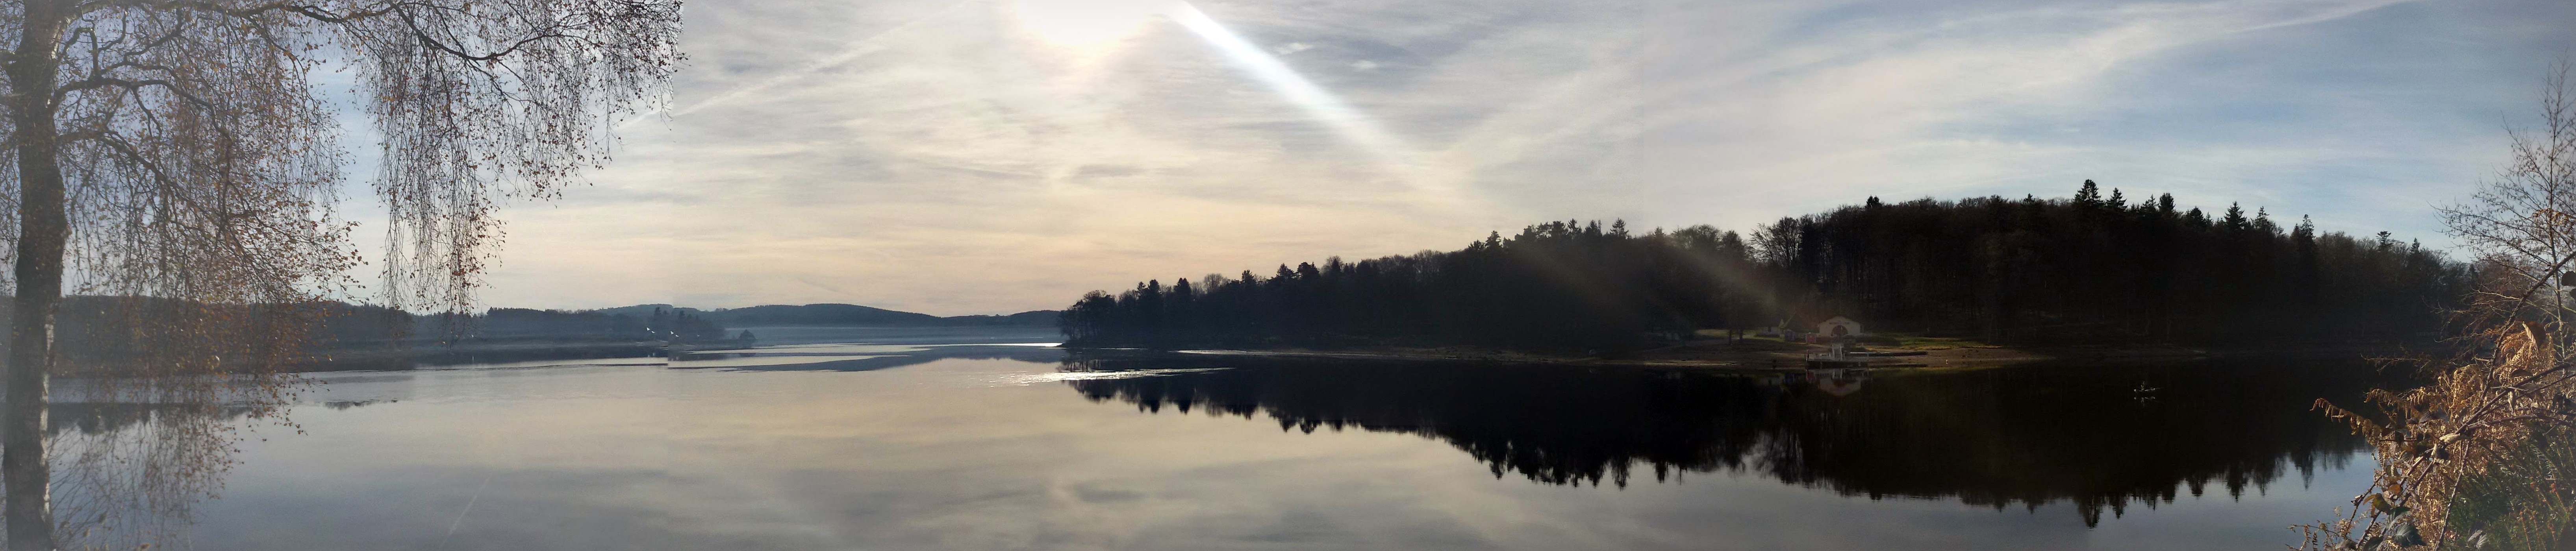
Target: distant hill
839,315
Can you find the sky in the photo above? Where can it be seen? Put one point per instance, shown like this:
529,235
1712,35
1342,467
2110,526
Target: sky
996,156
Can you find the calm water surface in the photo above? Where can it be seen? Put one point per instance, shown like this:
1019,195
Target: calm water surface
986,446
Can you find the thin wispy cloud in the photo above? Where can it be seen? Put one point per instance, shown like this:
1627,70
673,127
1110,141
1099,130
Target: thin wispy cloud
854,50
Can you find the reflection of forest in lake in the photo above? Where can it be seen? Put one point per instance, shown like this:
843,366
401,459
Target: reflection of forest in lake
1994,437
126,475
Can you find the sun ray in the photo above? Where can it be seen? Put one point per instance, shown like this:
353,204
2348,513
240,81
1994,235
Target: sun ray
1095,26
1322,104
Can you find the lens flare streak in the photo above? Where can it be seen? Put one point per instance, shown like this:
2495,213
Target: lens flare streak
1317,101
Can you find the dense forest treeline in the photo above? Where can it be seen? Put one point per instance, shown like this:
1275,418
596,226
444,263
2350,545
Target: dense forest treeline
2085,269
105,330
96,322
655,322
117,334
111,330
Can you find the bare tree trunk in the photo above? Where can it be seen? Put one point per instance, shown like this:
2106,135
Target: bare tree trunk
24,476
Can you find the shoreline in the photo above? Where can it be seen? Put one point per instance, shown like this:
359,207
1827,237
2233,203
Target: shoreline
419,355
1777,356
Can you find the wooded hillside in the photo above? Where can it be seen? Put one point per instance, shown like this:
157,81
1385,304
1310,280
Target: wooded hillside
2084,269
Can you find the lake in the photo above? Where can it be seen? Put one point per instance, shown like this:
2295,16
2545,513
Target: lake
884,441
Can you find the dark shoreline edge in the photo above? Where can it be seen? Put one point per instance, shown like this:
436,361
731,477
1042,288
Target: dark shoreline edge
1779,361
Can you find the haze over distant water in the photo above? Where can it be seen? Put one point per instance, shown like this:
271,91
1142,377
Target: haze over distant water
837,315
966,158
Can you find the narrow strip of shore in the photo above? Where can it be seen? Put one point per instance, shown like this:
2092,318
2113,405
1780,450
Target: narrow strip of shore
1784,356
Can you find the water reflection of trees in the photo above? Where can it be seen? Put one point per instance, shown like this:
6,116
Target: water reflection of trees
129,475
2000,437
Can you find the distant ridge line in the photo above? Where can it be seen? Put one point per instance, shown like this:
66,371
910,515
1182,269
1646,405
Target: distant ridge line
839,315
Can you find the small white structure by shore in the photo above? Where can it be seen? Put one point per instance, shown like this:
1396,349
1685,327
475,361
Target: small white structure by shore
1839,326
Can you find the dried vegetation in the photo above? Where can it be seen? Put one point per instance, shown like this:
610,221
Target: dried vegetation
2483,456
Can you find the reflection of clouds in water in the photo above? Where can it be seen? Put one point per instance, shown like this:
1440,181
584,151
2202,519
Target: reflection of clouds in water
747,360
1063,376
862,348
540,364
935,457
967,451
870,357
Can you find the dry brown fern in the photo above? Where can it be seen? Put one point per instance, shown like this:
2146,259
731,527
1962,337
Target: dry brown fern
2472,458
2468,421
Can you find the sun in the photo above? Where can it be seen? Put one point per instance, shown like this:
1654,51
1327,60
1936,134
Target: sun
1087,22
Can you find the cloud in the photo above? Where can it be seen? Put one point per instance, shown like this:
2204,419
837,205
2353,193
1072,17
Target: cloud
938,156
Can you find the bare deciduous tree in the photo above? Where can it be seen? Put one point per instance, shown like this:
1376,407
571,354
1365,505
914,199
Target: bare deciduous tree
2486,417
180,153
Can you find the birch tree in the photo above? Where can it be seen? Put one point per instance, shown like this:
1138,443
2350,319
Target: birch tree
186,152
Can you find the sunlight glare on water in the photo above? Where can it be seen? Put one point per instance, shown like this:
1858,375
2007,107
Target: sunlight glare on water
1018,379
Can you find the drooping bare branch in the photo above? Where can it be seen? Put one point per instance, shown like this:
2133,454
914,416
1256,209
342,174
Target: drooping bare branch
199,163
